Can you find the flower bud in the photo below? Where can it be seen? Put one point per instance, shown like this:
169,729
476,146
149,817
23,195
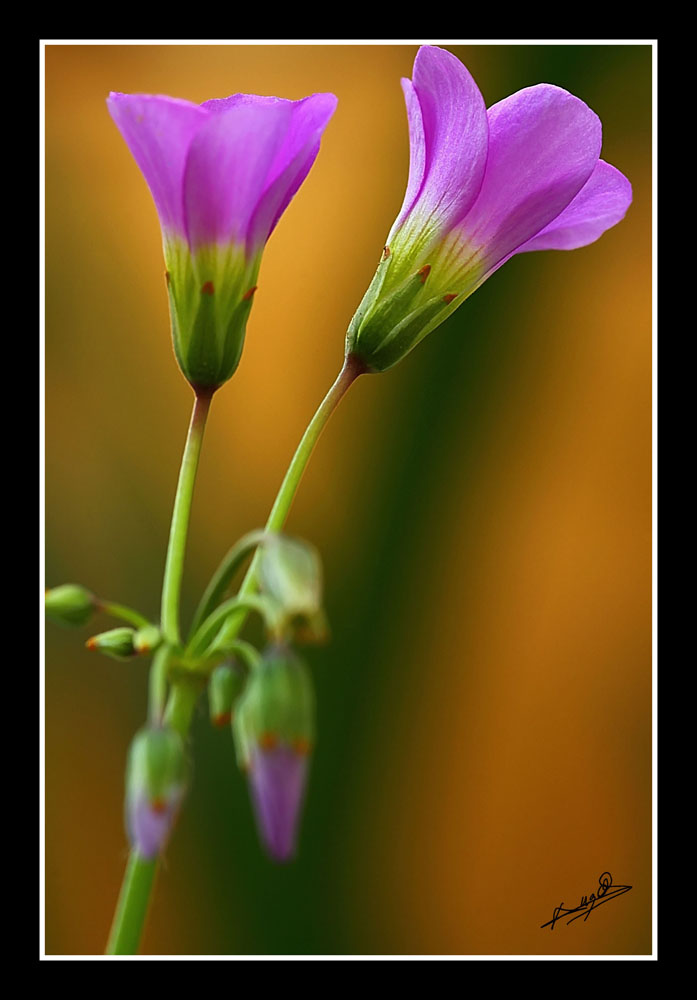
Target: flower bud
274,733
290,572
155,786
117,643
147,639
224,688
69,604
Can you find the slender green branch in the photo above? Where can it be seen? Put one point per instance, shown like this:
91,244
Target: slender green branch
246,651
198,643
157,685
124,613
132,906
174,567
352,368
221,579
181,704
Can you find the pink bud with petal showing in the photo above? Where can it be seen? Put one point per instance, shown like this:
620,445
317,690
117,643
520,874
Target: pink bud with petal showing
483,185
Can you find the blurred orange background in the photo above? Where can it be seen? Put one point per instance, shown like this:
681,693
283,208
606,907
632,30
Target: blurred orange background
483,511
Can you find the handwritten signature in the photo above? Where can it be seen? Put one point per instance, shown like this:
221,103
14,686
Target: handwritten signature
606,892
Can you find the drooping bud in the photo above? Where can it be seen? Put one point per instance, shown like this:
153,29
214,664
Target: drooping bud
274,734
70,604
224,688
117,643
147,639
155,786
290,572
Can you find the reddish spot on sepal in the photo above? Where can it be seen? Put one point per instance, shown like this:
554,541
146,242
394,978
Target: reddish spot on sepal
247,295
449,297
168,278
424,272
224,719
208,288
301,746
268,741
91,643
158,805
385,253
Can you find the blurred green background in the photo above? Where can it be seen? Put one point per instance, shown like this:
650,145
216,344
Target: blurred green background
483,510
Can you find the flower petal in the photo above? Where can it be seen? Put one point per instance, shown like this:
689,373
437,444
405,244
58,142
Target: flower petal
158,132
600,204
543,146
226,169
294,158
277,780
448,141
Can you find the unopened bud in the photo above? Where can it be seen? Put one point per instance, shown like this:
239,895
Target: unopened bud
155,786
69,604
147,639
290,572
224,688
117,643
274,733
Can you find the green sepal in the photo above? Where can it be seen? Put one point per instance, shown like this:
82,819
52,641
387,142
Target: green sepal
290,573
225,685
210,297
157,764
147,639
69,604
403,337
117,643
278,705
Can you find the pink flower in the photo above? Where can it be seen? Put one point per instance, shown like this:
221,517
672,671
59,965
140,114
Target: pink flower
221,174
483,186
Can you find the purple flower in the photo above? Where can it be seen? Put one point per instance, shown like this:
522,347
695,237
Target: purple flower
273,730
277,778
155,787
150,823
221,174
483,186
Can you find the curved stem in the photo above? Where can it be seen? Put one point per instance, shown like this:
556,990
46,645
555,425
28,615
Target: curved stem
222,577
352,368
252,602
123,612
174,567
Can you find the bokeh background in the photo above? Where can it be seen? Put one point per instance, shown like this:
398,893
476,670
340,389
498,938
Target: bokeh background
483,510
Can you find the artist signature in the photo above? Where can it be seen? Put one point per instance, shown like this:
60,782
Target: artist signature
606,891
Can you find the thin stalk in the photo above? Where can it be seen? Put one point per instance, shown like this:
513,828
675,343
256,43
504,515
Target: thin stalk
352,368
136,888
123,612
174,566
132,907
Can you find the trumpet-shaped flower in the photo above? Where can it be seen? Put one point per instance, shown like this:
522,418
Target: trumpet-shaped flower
483,186
221,174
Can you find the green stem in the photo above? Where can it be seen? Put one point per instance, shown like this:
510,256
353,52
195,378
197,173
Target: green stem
181,704
138,880
132,906
221,579
174,567
352,368
252,602
157,685
123,612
